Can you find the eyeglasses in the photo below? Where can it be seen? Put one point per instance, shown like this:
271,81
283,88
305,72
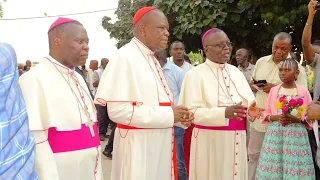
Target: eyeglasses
222,45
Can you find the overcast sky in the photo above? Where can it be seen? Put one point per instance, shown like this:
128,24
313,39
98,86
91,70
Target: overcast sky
29,37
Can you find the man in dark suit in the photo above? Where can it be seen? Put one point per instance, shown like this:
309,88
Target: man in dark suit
81,73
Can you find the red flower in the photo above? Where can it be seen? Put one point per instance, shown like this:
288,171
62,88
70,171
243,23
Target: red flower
285,109
292,102
282,98
300,101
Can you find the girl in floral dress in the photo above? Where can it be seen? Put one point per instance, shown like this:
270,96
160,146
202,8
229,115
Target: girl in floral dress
286,152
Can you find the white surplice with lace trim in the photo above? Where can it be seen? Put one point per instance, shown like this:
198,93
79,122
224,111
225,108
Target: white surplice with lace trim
51,103
132,76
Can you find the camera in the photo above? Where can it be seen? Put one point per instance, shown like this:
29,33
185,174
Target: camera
317,6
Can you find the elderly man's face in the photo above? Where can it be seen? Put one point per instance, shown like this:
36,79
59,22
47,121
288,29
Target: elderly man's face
218,47
280,49
74,45
241,56
156,31
28,63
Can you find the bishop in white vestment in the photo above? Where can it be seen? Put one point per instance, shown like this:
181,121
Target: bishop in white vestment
218,145
61,112
139,100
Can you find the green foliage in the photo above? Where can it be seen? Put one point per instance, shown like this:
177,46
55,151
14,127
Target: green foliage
250,24
1,9
195,57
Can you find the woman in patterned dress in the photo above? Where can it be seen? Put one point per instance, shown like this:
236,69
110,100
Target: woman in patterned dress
286,152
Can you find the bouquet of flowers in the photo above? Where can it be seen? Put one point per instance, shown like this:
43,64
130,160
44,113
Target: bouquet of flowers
291,106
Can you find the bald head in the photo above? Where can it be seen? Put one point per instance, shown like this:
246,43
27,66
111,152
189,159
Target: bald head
104,62
152,30
28,63
94,64
242,57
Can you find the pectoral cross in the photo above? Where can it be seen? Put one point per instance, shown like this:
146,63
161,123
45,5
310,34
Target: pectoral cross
90,124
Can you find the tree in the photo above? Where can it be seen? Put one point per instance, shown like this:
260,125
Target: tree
1,10
249,23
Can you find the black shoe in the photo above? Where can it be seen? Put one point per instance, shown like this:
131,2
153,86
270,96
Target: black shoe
107,154
102,138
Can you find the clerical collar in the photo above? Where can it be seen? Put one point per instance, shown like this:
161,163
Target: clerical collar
214,64
64,69
142,47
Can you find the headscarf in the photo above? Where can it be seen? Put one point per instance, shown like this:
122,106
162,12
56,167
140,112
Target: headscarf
17,144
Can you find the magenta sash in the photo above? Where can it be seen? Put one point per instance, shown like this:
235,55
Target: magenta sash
66,141
234,125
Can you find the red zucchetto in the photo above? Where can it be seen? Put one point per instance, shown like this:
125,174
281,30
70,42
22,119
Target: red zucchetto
142,11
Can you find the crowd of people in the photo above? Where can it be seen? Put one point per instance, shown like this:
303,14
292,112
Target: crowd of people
168,118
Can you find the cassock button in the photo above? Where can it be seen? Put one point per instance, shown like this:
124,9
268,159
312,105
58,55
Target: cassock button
236,164
235,174
237,143
228,86
231,95
237,133
236,153
225,77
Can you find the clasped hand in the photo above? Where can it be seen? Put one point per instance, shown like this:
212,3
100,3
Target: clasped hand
182,115
237,111
287,119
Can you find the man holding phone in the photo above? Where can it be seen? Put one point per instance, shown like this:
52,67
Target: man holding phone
265,76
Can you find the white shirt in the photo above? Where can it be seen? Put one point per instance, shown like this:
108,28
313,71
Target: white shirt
93,77
247,72
186,66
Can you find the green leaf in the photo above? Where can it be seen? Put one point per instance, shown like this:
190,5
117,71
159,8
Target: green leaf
256,20
199,25
199,32
235,17
206,21
193,30
179,36
206,3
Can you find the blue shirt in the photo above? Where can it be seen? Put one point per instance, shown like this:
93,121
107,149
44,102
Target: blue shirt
17,144
175,76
